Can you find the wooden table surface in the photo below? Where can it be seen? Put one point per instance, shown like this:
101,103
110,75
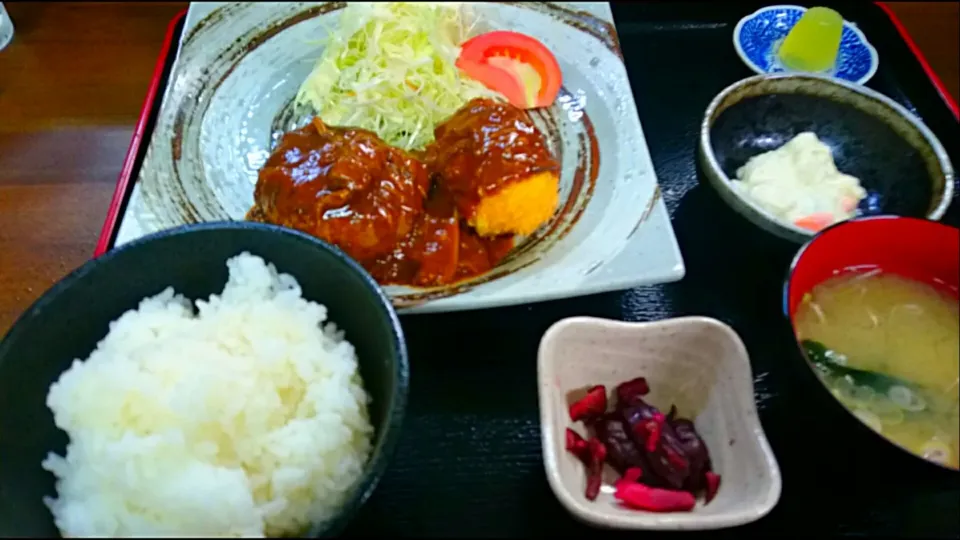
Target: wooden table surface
72,83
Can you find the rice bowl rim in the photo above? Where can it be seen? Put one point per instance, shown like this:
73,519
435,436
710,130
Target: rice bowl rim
390,426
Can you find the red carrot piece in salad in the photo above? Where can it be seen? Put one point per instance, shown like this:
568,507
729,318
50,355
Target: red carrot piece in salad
815,221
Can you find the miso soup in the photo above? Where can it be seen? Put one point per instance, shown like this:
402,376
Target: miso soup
888,348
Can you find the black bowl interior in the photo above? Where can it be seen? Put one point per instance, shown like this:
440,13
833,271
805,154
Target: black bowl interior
896,167
68,321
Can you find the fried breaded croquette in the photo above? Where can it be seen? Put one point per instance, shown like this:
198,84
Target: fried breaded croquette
495,163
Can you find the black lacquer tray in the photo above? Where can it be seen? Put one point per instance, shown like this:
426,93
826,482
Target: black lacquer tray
469,461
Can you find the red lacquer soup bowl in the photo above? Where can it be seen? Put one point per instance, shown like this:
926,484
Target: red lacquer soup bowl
918,249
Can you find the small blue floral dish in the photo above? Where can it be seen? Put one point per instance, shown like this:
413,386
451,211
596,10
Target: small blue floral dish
758,36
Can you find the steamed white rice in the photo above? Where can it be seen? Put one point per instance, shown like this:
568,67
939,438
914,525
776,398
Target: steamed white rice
247,418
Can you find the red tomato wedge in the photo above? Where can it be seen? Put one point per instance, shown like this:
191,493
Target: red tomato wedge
516,65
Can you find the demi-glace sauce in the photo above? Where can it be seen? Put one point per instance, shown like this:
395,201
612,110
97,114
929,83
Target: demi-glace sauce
400,220
484,147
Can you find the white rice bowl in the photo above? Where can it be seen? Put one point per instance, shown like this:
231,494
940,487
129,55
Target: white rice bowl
247,418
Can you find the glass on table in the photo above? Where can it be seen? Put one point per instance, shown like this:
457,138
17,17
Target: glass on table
6,27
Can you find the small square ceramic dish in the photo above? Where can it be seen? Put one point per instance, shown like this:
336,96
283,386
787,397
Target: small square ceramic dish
231,97
697,363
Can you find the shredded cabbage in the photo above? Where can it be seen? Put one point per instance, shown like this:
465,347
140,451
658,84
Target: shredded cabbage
390,68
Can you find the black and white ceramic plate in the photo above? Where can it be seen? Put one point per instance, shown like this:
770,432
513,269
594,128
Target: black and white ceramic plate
240,66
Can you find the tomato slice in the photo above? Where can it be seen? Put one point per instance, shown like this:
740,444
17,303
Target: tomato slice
496,79
514,64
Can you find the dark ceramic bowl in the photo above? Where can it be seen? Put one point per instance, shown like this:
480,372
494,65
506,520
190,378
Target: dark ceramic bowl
915,248
69,319
900,163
